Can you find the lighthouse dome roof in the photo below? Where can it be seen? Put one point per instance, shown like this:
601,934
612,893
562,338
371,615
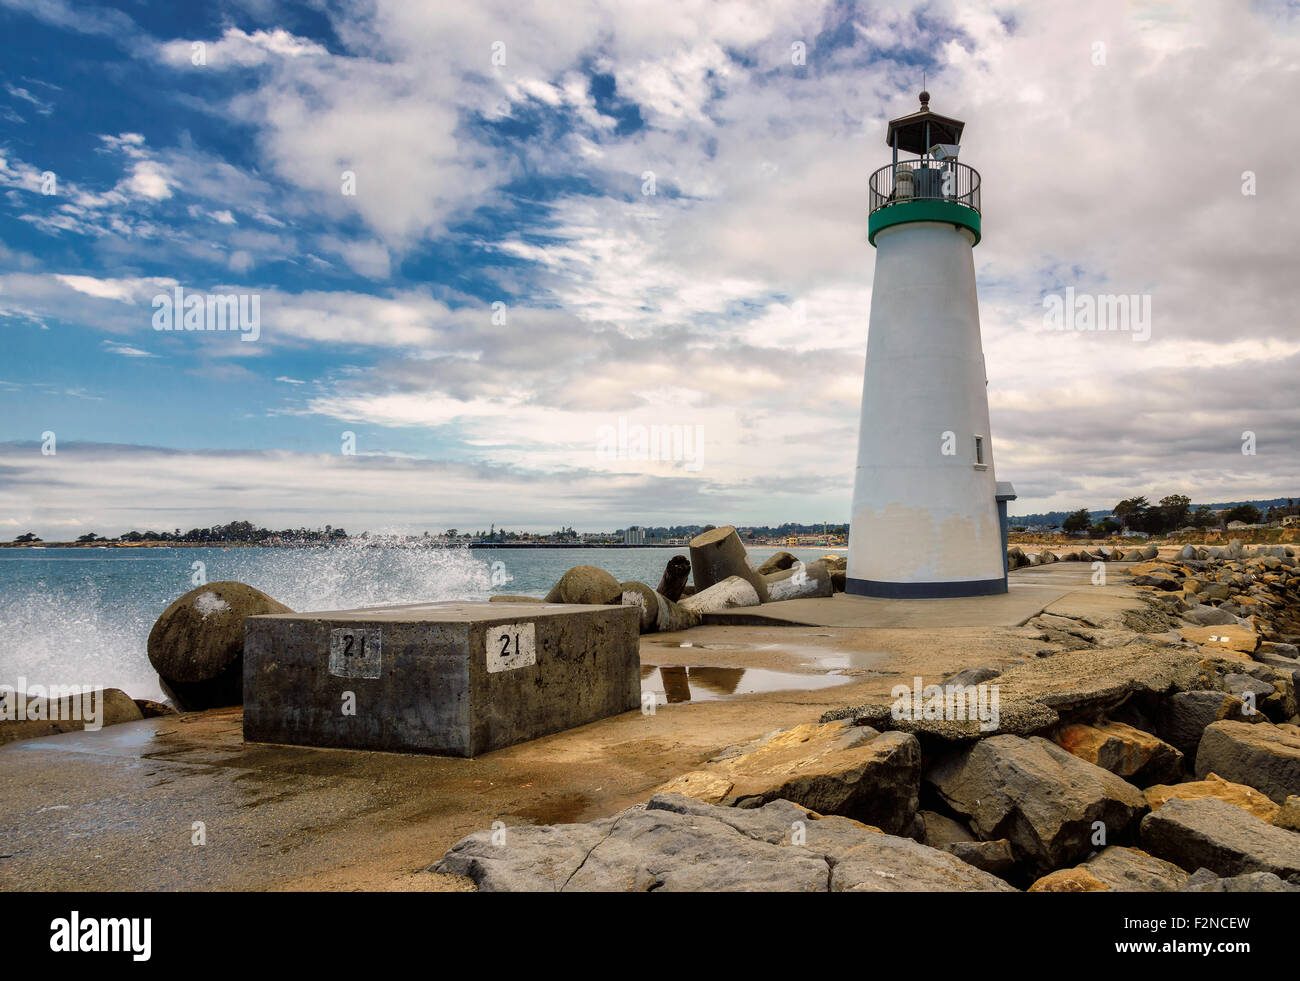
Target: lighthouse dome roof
911,129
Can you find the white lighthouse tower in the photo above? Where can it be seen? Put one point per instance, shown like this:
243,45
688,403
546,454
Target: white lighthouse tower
929,518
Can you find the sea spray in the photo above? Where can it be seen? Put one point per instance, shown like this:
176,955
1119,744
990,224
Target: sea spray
68,615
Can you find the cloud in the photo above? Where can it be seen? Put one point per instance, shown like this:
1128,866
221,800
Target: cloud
239,49
736,296
126,351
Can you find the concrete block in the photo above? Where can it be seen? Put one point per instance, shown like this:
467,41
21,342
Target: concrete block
456,679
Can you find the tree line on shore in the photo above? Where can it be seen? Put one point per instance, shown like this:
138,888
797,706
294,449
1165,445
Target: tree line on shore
1172,513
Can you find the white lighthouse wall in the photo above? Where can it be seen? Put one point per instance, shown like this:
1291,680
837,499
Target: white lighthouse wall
920,516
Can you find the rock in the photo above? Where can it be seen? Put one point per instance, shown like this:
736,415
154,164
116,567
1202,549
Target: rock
1184,716
1218,591
1187,552
1263,756
676,572
729,594
709,786
941,830
974,676
1227,840
24,715
1046,558
1123,750
675,844
719,555
800,581
1116,869
1035,794
1035,696
646,601
149,709
1231,637
1069,880
1247,798
586,584
1288,815
1290,651
1204,880
1243,685
777,563
1133,870
832,768
197,645
889,864
1168,583
1208,616
1150,552
993,857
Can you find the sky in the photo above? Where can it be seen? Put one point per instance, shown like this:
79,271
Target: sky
477,239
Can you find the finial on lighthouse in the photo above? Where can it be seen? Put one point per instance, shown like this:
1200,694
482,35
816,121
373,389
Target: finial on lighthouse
925,101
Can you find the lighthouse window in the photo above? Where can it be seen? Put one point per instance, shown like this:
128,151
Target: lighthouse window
979,451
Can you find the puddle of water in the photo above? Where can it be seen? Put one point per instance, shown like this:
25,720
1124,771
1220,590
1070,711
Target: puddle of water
849,660
673,684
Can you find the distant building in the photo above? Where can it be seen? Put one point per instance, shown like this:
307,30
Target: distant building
634,536
1291,521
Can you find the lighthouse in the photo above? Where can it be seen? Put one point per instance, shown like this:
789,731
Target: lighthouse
929,516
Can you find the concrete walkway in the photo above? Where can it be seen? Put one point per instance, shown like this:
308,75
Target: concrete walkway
1030,591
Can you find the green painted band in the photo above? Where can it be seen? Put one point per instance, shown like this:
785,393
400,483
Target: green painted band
948,212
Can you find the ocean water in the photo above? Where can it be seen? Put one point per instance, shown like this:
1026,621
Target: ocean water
82,616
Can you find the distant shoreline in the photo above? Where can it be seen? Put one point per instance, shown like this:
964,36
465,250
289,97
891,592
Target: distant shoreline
377,543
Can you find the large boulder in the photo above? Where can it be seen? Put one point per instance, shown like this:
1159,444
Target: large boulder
24,715
1116,869
833,768
1032,792
1264,756
939,830
1203,880
676,844
1247,798
717,555
1288,815
1131,753
197,645
1184,716
1208,616
1216,835
1069,880
994,857
646,601
586,584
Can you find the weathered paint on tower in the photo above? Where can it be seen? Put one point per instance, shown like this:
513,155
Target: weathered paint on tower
928,515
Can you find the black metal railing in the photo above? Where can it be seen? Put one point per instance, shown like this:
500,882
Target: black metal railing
925,180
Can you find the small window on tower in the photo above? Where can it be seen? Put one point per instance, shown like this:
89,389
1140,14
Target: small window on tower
979,451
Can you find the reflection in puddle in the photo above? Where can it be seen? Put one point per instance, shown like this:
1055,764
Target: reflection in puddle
675,684
850,660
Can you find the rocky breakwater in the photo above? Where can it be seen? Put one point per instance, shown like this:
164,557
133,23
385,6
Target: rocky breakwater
1134,753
